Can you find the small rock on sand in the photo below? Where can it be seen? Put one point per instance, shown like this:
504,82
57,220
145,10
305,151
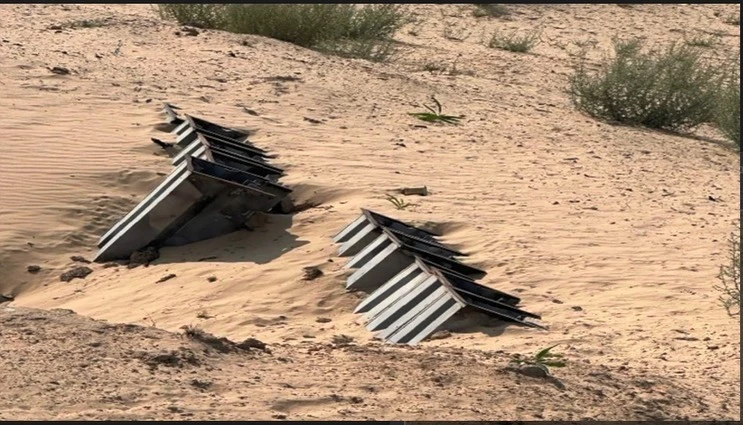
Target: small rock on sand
78,272
59,70
252,343
442,334
143,257
166,277
311,273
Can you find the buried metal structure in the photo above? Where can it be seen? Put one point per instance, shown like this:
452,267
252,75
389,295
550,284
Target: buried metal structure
390,253
213,190
233,146
416,283
199,200
366,228
189,127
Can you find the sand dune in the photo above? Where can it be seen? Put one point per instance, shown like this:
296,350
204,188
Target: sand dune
613,234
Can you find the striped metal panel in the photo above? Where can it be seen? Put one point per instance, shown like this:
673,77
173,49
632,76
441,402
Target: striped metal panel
426,324
117,244
349,231
358,241
405,302
385,302
369,252
362,276
389,288
415,311
163,188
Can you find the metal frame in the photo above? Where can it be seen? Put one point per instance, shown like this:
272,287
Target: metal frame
417,283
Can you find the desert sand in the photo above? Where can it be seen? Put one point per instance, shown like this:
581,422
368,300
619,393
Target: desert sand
613,234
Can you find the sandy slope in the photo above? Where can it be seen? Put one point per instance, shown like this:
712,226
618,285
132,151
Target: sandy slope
121,371
563,210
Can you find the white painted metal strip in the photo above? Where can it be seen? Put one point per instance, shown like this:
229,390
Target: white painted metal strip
351,229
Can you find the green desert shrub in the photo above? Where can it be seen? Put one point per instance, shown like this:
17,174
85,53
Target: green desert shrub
729,277
346,29
488,9
198,15
672,88
514,41
727,113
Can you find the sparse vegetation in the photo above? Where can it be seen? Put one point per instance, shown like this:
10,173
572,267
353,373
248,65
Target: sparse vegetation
544,359
733,20
343,29
515,42
223,345
435,115
342,339
700,40
455,34
432,66
398,203
673,88
195,15
727,111
448,69
494,10
149,318
729,277
86,23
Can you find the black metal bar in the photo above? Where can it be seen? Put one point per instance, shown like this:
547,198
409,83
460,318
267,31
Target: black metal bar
504,314
251,165
443,262
237,147
235,176
204,125
407,237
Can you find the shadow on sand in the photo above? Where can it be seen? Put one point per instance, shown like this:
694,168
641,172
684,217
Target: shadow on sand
266,243
468,322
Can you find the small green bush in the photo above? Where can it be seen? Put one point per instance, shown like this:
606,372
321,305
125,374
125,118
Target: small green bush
494,10
515,42
197,15
733,20
729,277
344,29
727,112
86,23
700,40
543,359
672,88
